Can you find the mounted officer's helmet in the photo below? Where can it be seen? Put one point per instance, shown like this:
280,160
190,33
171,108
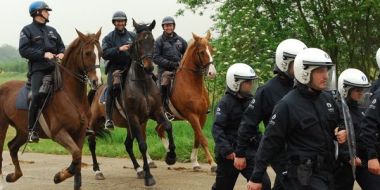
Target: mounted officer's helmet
307,60
119,15
286,53
378,58
350,78
238,73
37,6
168,20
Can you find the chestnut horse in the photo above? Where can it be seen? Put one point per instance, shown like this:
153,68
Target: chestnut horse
140,100
189,96
67,112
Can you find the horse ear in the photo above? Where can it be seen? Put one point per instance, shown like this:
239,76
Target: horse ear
134,23
196,37
97,35
208,36
80,34
152,25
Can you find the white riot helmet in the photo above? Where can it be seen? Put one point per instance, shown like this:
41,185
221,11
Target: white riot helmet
286,52
350,78
307,60
378,58
237,73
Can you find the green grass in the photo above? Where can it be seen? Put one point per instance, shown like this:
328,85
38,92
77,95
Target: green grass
6,76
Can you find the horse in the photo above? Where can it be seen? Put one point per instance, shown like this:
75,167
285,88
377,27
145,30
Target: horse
139,100
189,98
66,113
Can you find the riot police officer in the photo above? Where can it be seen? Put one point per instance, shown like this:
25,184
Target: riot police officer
40,44
115,51
351,86
265,99
376,83
228,114
306,121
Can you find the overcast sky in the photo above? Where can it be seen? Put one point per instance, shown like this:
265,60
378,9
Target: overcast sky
90,15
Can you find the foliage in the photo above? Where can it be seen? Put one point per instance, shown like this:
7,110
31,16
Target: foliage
250,30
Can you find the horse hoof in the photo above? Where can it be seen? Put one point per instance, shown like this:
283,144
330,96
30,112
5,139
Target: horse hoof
141,174
150,181
99,175
171,158
152,165
197,168
12,178
57,178
213,169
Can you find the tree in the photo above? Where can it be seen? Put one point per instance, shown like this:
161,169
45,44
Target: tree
250,30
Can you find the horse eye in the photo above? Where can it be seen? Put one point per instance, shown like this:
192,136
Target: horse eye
88,53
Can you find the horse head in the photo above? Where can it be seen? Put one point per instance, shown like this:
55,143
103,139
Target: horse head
87,62
143,46
204,53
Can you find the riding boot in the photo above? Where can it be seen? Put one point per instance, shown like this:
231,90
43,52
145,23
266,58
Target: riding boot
33,113
165,102
109,109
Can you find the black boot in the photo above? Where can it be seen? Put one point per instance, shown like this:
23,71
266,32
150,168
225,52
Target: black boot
165,102
33,113
108,125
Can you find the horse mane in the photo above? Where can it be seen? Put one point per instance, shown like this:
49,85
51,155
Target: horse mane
70,50
190,49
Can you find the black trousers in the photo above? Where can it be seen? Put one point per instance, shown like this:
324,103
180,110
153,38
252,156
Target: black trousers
318,181
36,100
344,179
279,166
227,174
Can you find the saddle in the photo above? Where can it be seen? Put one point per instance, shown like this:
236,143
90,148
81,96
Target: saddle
167,80
51,83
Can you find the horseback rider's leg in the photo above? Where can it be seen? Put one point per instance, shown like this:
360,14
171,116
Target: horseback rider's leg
164,85
109,103
36,83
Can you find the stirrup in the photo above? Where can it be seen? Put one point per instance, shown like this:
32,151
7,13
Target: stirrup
89,132
169,116
108,125
33,137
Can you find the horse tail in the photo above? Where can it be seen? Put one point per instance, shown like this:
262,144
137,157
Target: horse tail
90,96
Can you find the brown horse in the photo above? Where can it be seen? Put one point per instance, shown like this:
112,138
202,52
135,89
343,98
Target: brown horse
189,95
139,101
67,112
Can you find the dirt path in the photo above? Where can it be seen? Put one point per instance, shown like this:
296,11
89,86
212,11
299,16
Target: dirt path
39,169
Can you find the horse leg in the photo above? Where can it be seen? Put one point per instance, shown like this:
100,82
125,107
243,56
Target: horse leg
150,160
171,156
195,123
78,175
194,154
92,146
63,138
14,145
148,179
202,120
3,132
160,129
128,143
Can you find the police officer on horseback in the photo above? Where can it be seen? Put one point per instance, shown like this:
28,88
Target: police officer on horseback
40,44
115,51
169,49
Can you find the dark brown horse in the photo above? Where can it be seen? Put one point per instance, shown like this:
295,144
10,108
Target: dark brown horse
189,95
67,112
139,101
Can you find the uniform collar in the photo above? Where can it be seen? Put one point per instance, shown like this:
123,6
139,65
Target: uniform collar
166,37
121,32
38,23
307,91
285,79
